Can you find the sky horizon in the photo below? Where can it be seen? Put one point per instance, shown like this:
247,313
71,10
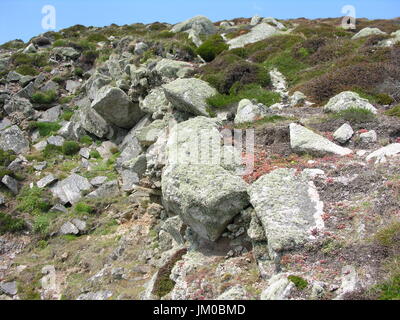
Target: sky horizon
22,19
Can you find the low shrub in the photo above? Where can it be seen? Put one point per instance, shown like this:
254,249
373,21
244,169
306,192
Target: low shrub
212,47
394,112
67,115
44,97
83,208
51,151
355,115
70,148
95,154
33,200
10,224
96,37
87,140
27,70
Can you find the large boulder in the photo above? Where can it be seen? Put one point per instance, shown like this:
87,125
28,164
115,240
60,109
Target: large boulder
382,154
189,95
22,105
12,138
260,32
305,140
206,197
174,69
347,100
366,32
201,24
114,106
288,207
70,189
155,103
249,112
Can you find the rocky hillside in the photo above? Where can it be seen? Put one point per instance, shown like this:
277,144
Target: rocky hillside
102,193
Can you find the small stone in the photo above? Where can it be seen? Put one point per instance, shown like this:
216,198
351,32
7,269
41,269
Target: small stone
369,137
68,228
40,166
10,183
9,288
59,208
40,146
98,181
84,153
56,141
344,133
46,181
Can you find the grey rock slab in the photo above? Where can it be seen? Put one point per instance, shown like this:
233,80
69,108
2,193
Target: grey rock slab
69,190
12,138
260,32
46,181
11,184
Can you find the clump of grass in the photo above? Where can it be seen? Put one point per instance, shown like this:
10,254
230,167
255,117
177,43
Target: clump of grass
95,154
45,128
44,97
83,208
252,91
51,151
70,148
389,235
27,70
299,282
33,201
394,112
86,140
67,115
267,119
66,99
212,47
10,224
355,115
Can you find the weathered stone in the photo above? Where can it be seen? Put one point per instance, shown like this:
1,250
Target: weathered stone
189,95
115,107
66,52
72,86
344,133
79,224
279,288
206,197
40,146
288,206
9,288
369,137
2,199
84,153
256,231
46,181
175,227
255,20
155,102
50,86
202,25
69,190
56,140
52,114
17,104
366,32
58,208
99,295
149,134
5,123
174,69
98,181
12,138
235,293
30,49
13,76
10,183
274,22
107,190
68,228
249,112
305,140
107,149
347,100
260,32
382,154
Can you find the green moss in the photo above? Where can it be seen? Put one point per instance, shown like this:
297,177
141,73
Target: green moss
394,112
95,154
96,37
10,224
27,70
78,71
299,282
355,115
66,99
44,97
45,128
42,244
165,285
212,47
70,148
60,43
87,140
33,201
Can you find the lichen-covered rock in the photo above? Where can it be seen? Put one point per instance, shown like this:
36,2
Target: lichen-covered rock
366,32
155,103
17,104
10,183
235,293
69,190
107,190
174,69
46,181
206,197
288,206
66,52
382,154
149,134
344,133
305,140
12,138
189,95
347,100
279,288
249,112
260,32
201,24
115,107
369,137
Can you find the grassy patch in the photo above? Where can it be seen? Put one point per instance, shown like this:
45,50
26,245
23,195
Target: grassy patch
265,120
394,112
253,91
45,128
83,208
70,148
10,224
212,47
33,201
47,97
355,115
50,151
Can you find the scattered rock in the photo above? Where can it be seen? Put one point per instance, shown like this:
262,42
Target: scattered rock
305,140
369,137
344,133
366,32
12,138
69,190
9,288
347,100
279,288
10,183
259,32
381,154
46,181
249,112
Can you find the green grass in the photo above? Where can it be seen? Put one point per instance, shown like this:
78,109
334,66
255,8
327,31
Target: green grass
33,201
50,151
355,115
10,224
67,115
45,128
70,148
47,97
83,208
394,112
86,140
387,236
267,119
26,70
252,91
95,154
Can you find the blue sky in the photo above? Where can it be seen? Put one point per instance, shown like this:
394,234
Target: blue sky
22,18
